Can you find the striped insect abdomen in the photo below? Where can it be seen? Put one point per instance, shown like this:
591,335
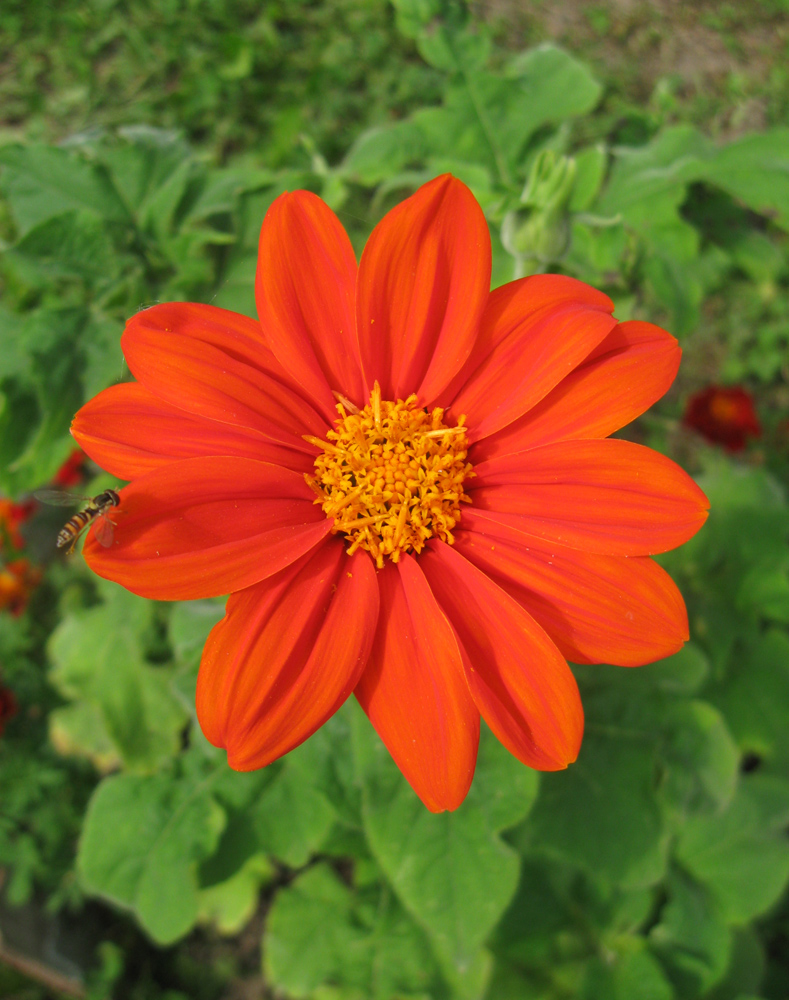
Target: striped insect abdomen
71,529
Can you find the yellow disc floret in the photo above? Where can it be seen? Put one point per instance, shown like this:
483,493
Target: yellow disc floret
391,475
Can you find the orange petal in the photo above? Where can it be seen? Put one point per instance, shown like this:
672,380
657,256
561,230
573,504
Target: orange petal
532,334
597,609
629,370
415,692
207,362
611,496
286,655
305,290
129,432
518,678
424,278
203,527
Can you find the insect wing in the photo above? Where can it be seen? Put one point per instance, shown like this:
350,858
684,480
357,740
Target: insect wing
104,531
59,498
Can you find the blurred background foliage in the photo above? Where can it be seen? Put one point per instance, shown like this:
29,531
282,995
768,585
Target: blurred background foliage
140,145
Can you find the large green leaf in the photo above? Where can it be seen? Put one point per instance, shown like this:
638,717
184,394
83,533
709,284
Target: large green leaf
699,759
292,818
143,839
451,871
320,933
673,159
44,181
47,347
601,813
489,119
74,244
755,697
631,974
97,658
755,169
691,939
743,854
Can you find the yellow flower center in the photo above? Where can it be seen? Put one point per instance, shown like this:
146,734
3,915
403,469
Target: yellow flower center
391,475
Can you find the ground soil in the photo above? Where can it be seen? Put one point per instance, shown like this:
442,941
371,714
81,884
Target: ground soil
722,64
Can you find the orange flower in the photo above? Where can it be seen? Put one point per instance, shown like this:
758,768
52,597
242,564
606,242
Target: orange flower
403,481
723,415
18,579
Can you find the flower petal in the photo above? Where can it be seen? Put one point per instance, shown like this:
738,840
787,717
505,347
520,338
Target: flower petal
612,497
129,432
597,609
519,680
203,527
415,692
627,372
207,362
532,334
287,654
424,278
305,290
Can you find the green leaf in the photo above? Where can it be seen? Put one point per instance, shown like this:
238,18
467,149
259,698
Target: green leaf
503,790
44,181
231,904
292,818
590,164
221,190
745,970
755,697
72,245
78,730
601,814
104,361
450,871
48,345
665,166
142,841
237,287
383,151
414,15
142,164
755,169
700,759
625,976
97,657
326,761
488,119
321,933
691,940
189,625
453,51
767,591
559,86
743,854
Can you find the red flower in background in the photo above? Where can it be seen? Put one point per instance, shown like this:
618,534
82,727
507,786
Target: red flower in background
18,579
723,415
403,481
8,706
12,517
72,471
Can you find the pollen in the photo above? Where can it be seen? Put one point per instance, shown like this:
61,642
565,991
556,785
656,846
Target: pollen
391,475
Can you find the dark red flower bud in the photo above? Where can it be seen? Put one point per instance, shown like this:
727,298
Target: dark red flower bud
723,415
8,706
71,471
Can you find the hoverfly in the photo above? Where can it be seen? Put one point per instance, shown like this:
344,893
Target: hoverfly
95,510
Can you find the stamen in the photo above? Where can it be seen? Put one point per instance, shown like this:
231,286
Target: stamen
349,406
391,476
